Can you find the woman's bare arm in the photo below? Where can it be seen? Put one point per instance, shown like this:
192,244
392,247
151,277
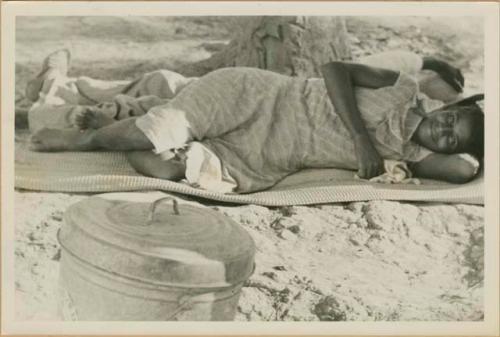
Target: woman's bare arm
340,80
452,168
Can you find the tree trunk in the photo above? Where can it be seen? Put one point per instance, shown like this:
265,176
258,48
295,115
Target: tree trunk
295,46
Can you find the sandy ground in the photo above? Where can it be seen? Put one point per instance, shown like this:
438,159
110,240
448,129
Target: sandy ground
379,260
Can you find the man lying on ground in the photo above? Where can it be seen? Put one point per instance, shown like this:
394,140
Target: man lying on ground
244,129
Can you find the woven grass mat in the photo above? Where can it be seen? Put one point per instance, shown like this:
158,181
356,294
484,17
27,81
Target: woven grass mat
111,172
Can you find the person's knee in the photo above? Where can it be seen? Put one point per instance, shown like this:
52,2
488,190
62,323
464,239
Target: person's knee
168,82
149,164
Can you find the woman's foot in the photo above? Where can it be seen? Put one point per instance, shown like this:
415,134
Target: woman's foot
56,63
94,118
52,140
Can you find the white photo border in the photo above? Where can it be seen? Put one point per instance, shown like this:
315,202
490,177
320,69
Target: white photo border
490,13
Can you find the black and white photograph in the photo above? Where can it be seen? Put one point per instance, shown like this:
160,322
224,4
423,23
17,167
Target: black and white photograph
197,162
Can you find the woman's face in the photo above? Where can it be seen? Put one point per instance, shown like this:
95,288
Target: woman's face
445,131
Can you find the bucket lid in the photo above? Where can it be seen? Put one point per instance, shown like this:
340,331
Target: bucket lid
158,243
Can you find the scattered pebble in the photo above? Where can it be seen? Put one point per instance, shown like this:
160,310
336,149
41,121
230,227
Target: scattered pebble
287,235
57,216
270,274
57,255
287,211
328,309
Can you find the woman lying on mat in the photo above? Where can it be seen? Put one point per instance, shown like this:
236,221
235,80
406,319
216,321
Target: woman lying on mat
244,129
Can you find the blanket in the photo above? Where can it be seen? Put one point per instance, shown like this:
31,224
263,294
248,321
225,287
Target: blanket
110,172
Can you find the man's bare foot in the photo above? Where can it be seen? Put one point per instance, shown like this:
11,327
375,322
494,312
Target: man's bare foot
52,140
56,63
93,118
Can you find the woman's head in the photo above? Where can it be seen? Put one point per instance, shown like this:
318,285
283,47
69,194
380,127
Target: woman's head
453,129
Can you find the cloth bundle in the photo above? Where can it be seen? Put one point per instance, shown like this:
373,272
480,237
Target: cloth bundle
396,172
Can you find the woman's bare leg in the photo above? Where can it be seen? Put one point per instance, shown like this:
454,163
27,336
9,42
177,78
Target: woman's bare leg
150,164
120,136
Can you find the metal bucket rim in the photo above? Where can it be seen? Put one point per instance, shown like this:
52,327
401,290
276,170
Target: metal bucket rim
81,229
148,281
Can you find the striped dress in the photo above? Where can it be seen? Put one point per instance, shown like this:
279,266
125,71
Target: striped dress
263,126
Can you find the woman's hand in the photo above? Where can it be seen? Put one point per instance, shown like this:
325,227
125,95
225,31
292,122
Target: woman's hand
451,75
370,163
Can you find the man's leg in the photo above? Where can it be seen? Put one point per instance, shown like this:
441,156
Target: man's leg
53,86
164,84
122,107
57,98
104,101
120,136
53,81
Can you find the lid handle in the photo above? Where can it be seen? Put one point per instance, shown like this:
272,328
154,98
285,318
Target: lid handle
154,205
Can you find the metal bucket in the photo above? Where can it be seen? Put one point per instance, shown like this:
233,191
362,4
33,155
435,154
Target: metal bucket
132,262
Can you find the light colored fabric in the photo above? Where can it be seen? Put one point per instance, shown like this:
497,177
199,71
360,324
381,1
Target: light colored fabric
264,126
110,172
204,169
395,172
167,128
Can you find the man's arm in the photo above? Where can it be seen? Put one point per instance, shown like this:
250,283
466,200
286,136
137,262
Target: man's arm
340,80
453,168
